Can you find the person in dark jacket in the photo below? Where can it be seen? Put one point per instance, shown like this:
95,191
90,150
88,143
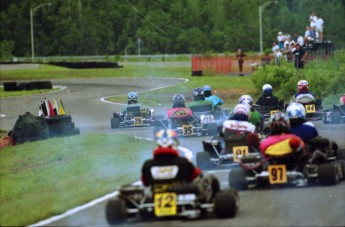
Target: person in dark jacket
267,98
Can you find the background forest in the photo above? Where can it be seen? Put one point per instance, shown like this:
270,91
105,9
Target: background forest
114,27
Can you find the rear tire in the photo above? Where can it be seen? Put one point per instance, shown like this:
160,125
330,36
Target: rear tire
237,179
328,174
203,160
225,204
115,211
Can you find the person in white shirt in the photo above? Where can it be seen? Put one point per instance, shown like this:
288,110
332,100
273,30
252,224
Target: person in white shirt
300,40
281,38
275,47
319,27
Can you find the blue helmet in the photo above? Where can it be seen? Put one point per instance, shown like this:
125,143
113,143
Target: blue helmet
132,97
198,94
206,88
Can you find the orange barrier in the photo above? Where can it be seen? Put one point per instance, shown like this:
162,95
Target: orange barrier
219,65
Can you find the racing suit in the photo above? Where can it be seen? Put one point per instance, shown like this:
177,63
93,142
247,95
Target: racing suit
238,126
256,118
167,167
304,130
304,97
268,100
215,100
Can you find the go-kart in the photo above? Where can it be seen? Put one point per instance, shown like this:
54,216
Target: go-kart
335,115
176,199
267,111
324,166
184,123
224,150
206,114
313,110
133,116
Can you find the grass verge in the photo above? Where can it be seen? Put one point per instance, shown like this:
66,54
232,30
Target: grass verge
45,178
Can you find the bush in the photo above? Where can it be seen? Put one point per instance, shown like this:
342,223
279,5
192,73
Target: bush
6,48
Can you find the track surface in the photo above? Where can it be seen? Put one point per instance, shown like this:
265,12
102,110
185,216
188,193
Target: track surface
307,206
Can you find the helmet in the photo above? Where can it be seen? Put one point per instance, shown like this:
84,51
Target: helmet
198,94
267,89
166,138
342,100
303,86
207,90
295,110
132,97
246,99
178,101
241,112
279,123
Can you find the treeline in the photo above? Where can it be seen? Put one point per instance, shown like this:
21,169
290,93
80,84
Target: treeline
117,27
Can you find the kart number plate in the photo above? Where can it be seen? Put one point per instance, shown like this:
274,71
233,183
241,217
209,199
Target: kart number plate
187,130
277,174
274,111
206,119
165,204
310,108
138,121
239,150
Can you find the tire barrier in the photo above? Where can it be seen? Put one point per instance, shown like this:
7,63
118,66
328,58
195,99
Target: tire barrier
61,125
32,85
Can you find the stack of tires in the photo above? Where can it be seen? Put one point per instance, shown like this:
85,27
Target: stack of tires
61,125
32,85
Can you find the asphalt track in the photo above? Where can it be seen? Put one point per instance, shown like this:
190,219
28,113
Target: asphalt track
291,206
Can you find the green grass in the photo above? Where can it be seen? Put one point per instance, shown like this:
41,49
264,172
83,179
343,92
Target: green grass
6,94
45,178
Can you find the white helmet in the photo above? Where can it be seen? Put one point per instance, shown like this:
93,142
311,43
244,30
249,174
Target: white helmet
295,110
266,86
246,99
242,109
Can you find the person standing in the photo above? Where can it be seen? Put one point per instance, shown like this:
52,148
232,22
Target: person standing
240,56
319,27
300,56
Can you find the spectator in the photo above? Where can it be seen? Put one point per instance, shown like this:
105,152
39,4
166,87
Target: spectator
300,39
312,18
240,56
300,56
319,27
278,57
280,39
288,53
308,35
274,47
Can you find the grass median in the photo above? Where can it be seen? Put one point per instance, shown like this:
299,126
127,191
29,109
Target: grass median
45,178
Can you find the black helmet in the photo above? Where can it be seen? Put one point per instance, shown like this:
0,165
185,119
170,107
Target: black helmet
179,101
198,94
132,98
279,123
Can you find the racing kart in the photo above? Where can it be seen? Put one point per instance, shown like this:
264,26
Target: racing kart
172,200
224,150
133,116
325,166
335,115
184,123
267,111
313,110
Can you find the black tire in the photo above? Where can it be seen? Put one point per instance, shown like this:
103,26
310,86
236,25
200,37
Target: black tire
61,127
34,85
212,129
225,204
115,211
335,117
10,86
341,154
328,174
237,179
22,86
203,160
45,85
58,119
115,122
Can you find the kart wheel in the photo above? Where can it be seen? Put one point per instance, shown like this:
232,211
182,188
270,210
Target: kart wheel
225,204
203,160
237,179
328,174
115,122
115,211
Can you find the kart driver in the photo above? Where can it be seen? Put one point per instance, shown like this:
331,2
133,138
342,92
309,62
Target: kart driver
199,99
216,101
179,109
255,117
281,143
132,100
267,98
298,124
167,166
303,96
238,122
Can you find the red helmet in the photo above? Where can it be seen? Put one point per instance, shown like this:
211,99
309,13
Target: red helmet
303,86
